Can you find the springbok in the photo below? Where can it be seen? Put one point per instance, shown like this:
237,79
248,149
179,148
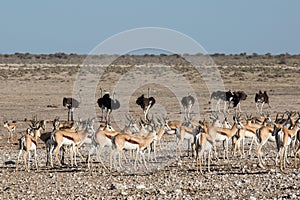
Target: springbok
11,128
264,134
283,140
131,142
28,143
103,137
73,138
188,133
225,134
204,144
249,131
297,151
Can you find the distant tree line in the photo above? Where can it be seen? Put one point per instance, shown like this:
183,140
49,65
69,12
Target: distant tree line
170,59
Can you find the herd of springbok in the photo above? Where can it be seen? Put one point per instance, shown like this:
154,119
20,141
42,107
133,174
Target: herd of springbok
144,137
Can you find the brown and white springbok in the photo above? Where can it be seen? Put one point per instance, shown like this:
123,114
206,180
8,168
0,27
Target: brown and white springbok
249,131
74,138
264,134
102,137
283,140
11,129
225,134
297,151
28,143
204,144
131,142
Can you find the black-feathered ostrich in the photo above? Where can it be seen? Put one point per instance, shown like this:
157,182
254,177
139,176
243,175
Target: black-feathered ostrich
145,103
108,104
261,98
187,102
71,104
222,96
238,96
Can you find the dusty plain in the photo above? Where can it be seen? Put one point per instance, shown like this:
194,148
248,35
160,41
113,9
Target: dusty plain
35,85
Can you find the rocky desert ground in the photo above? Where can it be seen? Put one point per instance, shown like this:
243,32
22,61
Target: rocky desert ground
35,85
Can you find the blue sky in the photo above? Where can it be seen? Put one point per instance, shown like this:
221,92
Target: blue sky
232,26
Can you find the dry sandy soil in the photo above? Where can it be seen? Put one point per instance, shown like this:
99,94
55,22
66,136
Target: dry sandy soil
38,88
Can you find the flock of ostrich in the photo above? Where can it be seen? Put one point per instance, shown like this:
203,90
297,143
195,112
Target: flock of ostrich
142,138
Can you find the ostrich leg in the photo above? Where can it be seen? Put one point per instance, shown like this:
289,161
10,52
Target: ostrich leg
72,110
107,116
102,115
189,111
225,105
262,105
257,107
185,114
72,119
69,110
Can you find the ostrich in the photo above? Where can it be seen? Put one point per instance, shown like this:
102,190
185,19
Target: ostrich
261,98
146,104
237,98
222,96
187,103
108,104
71,104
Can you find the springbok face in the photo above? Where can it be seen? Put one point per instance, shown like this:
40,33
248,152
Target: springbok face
226,124
166,126
276,130
198,129
43,125
29,131
239,125
268,120
56,123
90,130
155,138
109,128
133,127
217,123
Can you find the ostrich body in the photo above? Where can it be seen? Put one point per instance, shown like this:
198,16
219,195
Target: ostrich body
187,103
237,98
261,98
222,96
71,104
146,104
108,104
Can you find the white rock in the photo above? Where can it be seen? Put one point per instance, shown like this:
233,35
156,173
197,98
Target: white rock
129,198
272,170
162,192
293,196
252,198
140,187
178,191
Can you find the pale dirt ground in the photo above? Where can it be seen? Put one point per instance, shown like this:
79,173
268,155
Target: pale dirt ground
39,91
